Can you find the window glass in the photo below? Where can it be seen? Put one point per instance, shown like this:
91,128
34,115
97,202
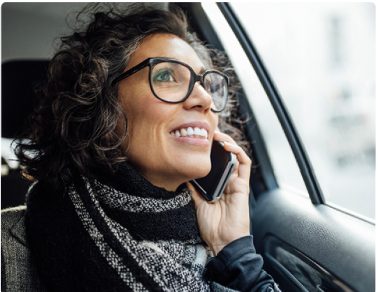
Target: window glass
283,161
322,58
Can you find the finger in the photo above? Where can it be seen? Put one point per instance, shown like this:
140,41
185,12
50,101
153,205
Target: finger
238,151
227,139
244,167
219,136
228,188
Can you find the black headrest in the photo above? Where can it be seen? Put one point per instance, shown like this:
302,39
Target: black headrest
19,79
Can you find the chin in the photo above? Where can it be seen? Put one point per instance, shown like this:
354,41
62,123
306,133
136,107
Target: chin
191,165
196,170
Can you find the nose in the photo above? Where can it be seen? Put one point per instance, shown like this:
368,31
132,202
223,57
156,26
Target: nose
198,99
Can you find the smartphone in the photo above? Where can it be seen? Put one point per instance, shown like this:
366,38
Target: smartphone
211,187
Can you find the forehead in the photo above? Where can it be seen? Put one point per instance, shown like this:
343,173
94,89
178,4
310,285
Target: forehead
166,45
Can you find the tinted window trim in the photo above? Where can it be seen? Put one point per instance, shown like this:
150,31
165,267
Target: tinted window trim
283,116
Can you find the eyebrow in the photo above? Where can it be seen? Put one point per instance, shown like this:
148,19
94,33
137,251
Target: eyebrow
202,68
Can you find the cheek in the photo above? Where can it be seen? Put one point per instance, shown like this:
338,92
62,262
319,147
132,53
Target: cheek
135,103
146,117
146,126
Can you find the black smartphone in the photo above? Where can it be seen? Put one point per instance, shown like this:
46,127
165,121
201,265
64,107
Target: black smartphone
223,163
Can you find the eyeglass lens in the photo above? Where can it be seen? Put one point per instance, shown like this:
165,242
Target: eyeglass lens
171,82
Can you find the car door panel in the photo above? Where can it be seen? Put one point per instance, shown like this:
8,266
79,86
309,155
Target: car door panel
296,270
316,244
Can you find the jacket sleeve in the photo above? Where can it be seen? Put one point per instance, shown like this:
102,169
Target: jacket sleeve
237,266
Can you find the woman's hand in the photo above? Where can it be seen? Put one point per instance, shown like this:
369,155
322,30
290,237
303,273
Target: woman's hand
226,219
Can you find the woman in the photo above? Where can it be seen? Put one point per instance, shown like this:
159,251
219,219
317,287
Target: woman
128,117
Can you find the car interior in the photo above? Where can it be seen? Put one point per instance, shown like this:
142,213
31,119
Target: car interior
306,244
29,73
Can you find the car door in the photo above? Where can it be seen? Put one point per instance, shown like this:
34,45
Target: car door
308,243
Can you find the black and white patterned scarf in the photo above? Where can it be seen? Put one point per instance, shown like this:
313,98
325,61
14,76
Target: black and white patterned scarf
117,234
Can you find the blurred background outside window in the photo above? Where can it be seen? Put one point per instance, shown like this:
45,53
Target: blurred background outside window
322,58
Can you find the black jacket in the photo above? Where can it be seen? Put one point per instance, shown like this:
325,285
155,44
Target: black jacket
238,267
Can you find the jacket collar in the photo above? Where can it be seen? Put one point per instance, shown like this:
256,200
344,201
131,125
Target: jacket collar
18,228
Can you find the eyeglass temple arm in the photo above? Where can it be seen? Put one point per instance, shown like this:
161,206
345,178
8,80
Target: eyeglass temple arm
131,71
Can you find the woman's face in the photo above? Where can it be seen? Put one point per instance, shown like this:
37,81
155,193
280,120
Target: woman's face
165,159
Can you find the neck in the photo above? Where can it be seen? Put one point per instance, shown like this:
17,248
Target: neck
129,179
169,185
169,182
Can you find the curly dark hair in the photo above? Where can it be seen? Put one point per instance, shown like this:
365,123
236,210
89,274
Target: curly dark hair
78,120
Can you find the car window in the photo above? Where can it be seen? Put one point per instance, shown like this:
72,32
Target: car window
321,57
283,161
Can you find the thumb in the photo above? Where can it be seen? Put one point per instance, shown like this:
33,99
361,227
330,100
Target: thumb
196,196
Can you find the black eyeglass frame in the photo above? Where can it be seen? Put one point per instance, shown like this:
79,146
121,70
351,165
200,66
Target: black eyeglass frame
151,62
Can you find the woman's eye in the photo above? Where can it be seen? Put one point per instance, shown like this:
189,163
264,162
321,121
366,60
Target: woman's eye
164,76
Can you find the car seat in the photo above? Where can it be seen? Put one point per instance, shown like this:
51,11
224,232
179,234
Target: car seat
19,79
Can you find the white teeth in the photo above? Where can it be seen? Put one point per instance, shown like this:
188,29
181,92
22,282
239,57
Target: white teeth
184,132
197,131
203,133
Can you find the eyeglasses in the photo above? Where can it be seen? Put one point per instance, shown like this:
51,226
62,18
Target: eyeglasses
173,81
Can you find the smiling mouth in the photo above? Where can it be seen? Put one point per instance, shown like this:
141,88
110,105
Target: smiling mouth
190,132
